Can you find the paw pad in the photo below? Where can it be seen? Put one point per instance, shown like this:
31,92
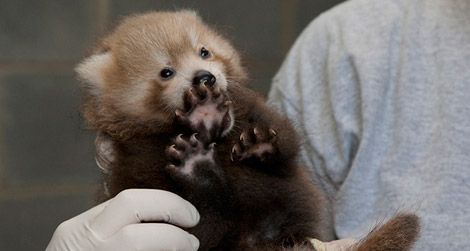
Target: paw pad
207,111
185,154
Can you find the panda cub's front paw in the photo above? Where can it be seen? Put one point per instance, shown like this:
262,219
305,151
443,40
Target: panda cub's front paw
256,144
207,111
191,162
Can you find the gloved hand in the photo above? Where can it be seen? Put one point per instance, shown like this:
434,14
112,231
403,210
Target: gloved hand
338,245
116,224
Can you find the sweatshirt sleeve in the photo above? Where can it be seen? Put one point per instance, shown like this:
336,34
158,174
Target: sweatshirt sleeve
318,89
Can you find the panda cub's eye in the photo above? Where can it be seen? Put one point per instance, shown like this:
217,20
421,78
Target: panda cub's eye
167,73
204,53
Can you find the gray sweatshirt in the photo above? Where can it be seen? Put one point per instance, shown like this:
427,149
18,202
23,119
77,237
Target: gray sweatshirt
380,92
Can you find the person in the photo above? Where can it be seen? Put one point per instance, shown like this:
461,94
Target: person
379,90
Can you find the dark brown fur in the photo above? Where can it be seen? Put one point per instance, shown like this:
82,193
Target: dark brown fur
252,203
244,205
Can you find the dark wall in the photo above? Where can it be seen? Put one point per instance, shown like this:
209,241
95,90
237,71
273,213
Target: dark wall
47,171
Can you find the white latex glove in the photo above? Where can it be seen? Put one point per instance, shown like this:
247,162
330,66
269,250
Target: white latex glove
116,224
338,245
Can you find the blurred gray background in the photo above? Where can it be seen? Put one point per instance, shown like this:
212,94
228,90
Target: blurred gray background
47,170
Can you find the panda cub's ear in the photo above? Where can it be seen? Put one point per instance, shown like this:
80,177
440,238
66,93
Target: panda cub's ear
92,69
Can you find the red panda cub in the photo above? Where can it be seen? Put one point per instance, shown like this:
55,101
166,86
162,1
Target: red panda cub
167,96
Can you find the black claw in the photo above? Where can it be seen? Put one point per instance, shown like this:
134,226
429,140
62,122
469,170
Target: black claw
272,132
179,114
273,136
179,139
181,144
216,93
233,155
204,91
193,97
193,140
236,150
225,121
211,146
257,133
243,138
173,153
189,99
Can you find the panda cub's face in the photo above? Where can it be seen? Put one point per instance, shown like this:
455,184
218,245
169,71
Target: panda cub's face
144,67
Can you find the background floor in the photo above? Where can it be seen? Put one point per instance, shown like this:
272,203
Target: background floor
47,171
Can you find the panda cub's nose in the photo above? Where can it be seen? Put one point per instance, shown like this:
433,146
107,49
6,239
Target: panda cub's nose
204,77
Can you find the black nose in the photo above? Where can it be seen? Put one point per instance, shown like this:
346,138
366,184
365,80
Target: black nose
204,77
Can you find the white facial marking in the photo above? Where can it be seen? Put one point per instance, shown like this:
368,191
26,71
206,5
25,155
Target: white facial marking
174,92
194,37
232,122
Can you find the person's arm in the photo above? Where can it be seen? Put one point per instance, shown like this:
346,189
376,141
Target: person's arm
118,224
318,90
